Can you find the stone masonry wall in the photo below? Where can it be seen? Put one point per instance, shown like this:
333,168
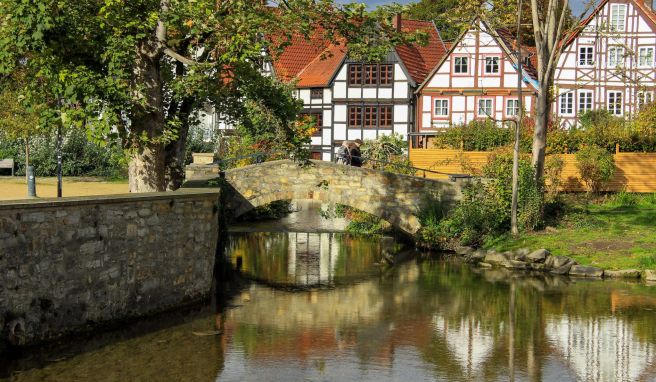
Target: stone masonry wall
65,264
393,197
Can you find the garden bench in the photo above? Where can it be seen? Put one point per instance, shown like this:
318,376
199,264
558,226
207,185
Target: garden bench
7,163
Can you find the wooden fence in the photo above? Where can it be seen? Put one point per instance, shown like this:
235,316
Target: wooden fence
634,172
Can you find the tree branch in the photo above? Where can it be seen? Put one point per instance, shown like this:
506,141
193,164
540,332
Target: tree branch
177,56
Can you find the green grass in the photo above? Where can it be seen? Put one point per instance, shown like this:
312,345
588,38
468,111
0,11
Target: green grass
615,232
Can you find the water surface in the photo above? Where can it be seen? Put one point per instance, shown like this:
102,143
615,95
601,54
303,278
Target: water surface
323,306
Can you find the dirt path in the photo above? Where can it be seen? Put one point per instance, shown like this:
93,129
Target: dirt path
16,187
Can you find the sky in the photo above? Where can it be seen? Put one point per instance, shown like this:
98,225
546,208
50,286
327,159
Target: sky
577,5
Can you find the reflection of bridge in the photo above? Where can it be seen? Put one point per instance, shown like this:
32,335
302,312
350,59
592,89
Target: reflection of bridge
393,197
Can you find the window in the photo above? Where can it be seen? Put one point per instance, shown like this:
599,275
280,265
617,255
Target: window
491,65
386,74
355,116
484,107
646,57
441,108
370,74
512,107
385,116
567,103
585,101
461,65
586,56
316,93
355,74
644,98
615,103
370,114
617,16
615,56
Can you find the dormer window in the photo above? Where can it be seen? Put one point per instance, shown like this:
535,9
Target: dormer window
617,17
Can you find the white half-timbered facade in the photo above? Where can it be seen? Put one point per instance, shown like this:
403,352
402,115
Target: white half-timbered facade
476,80
610,63
363,100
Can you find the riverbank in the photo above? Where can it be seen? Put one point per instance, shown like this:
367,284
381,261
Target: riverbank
611,232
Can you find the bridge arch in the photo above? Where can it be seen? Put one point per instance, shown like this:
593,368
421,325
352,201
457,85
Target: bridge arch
392,197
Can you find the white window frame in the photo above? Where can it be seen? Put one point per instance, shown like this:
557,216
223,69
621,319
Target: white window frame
443,108
585,101
615,56
492,63
617,19
615,107
460,66
566,103
643,98
642,58
512,111
588,56
490,106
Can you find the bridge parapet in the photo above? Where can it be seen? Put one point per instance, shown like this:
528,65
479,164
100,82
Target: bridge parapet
393,197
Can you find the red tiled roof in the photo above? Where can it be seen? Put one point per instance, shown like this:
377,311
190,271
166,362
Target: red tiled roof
319,71
509,40
420,60
314,61
298,54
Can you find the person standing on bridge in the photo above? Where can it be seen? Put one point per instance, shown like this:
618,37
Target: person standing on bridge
344,153
356,154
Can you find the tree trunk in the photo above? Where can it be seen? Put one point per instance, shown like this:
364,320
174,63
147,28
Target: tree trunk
175,151
542,116
147,163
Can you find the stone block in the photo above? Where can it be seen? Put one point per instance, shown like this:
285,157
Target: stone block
557,261
623,274
91,247
585,271
493,258
649,275
144,212
514,264
538,256
562,270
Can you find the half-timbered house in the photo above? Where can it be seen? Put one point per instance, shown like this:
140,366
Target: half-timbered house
360,100
357,100
476,80
609,64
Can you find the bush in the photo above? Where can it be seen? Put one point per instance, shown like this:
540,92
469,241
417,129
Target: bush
484,211
80,156
596,166
387,153
553,170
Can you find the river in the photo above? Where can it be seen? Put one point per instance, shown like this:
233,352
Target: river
327,306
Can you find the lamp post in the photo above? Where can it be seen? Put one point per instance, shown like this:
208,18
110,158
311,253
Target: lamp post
59,161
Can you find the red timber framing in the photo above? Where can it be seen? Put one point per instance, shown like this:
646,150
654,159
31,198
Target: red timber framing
451,93
593,74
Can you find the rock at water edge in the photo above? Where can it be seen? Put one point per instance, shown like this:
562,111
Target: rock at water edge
585,271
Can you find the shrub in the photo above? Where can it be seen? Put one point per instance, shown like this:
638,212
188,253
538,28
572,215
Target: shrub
596,166
553,170
623,199
387,153
484,211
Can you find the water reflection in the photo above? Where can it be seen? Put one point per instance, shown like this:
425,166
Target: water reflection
421,321
306,259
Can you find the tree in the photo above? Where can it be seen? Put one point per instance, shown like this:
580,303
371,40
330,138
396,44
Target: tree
139,68
438,12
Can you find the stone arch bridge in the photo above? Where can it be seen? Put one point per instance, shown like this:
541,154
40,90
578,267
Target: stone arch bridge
392,197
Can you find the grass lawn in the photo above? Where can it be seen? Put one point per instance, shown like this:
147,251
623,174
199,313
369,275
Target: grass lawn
617,232
13,188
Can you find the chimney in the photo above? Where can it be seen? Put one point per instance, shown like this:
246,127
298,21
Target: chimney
396,22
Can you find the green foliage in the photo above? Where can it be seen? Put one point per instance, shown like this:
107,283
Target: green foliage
359,222
274,210
80,156
484,211
196,143
387,153
475,136
553,169
438,12
596,166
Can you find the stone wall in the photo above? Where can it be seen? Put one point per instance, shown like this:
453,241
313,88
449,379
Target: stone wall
393,197
69,263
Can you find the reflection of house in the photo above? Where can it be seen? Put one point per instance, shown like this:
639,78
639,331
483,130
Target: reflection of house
609,64
601,349
312,258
